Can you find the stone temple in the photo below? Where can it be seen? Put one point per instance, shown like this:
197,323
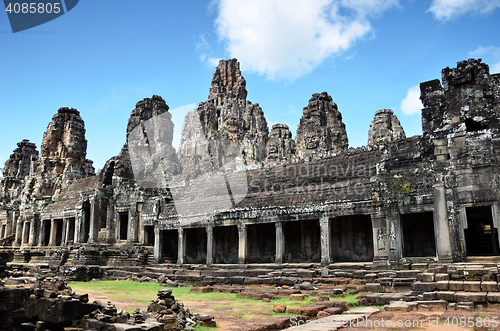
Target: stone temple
235,193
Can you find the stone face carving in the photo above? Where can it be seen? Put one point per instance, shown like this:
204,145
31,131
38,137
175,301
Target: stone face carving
226,131
384,128
64,146
468,100
19,165
148,155
281,146
321,129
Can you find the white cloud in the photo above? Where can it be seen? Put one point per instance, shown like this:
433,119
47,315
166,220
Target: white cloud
445,10
411,104
285,39
490,55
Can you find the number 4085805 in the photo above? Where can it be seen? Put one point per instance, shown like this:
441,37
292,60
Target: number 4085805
34,8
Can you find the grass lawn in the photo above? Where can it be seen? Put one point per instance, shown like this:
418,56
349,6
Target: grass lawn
211,303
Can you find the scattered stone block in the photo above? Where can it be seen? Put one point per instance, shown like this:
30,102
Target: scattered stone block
425,277
297,297
279,308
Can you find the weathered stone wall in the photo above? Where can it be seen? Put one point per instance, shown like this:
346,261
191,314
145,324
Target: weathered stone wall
234,194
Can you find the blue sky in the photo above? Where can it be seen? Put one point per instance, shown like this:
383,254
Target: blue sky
104,56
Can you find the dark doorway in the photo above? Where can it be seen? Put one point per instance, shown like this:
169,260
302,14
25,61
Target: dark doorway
46,233
226,244
170,245
71,230
103,214
418,234
149,235
196,245
59,231
352,239
123,227
26,234
86,220
481,237
302,241
261,243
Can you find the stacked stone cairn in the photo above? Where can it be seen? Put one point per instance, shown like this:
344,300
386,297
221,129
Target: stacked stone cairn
174,316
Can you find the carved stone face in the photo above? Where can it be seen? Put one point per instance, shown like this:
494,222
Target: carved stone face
312,140
273,149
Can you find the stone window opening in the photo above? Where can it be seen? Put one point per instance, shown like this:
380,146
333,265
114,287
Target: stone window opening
471,125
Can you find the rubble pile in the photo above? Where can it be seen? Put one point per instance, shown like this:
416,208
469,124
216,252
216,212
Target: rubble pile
53,304
174,316
12,313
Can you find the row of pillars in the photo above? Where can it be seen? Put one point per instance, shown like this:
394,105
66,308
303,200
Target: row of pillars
242,243
387,236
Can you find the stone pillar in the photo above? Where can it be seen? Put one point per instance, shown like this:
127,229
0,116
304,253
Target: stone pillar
210,245
495,213
53,229
65,231
380,239
110,211
140,228
32,232
325,235
394,235
242,243
94,221
180,247
157,255
78,225
441,226
280,243
43,230
134,227
19,232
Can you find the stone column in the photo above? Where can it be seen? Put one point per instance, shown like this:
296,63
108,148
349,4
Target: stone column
134,226
43,230
53,229
242,243
380,239
325,234
180,247
65,231
19,232
78,226
394,235
441,226
94,220
32,232
210,245
495,213
157,255
280,242
110,211
141,231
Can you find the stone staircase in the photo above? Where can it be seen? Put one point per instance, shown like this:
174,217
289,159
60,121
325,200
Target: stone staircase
453,285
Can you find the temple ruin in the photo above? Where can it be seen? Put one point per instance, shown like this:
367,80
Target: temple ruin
234,193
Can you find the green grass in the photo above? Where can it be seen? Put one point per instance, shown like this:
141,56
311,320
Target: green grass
144,293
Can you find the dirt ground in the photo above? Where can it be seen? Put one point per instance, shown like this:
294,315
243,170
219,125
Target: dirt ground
228,319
